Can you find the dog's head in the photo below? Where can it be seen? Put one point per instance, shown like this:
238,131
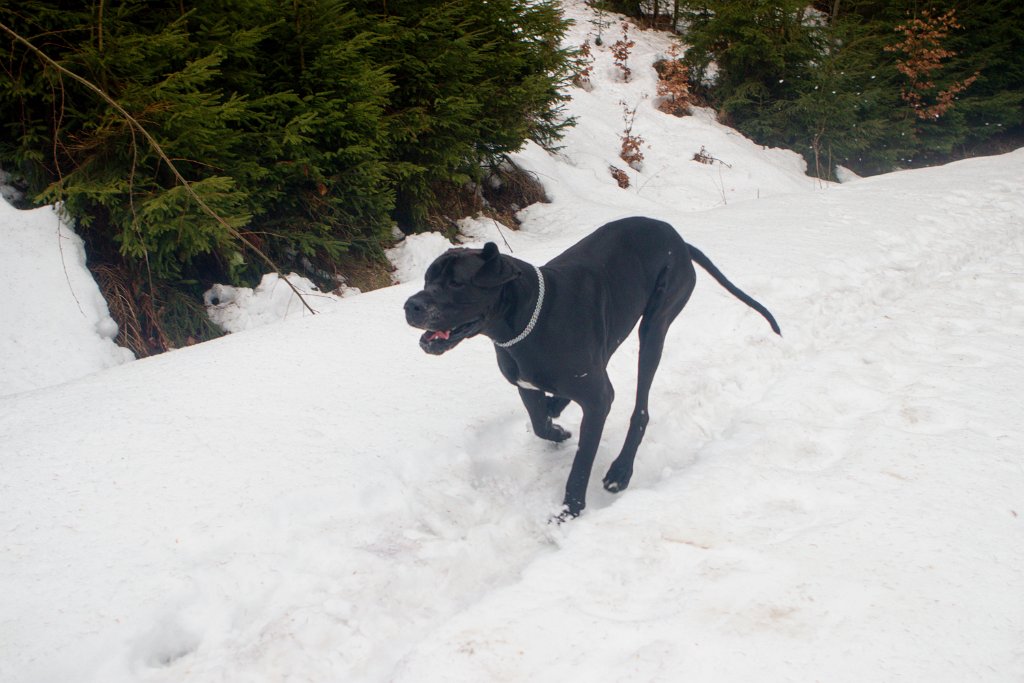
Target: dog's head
460,296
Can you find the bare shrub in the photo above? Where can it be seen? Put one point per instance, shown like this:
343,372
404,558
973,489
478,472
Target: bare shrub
584,67
920,56
621,177
673,84
630,151
620,51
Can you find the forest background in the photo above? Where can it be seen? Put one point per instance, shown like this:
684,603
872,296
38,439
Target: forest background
313,128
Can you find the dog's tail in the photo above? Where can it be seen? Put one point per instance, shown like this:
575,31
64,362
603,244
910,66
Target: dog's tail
704,262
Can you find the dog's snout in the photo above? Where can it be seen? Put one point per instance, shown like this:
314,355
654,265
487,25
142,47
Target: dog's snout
415,308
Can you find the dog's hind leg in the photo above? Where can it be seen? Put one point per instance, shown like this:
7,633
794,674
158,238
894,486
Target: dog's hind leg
653,328
541,409
621,470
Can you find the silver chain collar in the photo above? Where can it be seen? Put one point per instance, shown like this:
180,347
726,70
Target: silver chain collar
533,318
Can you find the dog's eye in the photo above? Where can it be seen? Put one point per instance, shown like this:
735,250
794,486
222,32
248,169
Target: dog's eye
455,284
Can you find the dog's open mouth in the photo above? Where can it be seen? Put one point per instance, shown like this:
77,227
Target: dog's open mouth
437,342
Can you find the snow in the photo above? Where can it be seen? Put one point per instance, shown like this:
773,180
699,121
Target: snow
55,322
413,254
242,308
318,500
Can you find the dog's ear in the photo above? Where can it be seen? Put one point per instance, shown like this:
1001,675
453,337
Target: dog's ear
496,269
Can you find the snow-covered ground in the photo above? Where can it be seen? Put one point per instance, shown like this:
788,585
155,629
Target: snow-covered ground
318,500
54,323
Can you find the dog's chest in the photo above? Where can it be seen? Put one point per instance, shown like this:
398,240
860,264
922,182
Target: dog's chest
532,381
525,378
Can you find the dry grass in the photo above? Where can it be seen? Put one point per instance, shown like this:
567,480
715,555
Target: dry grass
621,177
508,190
363,272
503,192
149,323
673,84
116,287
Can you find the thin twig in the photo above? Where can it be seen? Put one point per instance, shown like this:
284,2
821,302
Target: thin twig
497,226
58,118
64,263
163,155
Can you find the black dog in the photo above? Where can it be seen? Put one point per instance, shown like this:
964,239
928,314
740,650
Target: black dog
554,328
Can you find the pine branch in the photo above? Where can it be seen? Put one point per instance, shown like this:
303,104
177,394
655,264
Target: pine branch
160,152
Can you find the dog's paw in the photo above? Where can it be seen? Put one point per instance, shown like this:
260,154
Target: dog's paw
611,486
564,516
557,434
618,477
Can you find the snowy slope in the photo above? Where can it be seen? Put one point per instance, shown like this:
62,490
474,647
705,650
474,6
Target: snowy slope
54,323
320,501
843,506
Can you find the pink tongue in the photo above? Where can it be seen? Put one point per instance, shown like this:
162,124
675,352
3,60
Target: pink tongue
440,334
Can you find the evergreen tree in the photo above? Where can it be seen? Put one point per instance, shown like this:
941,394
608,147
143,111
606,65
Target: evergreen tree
307,126
473,82
842,111
760,48
268,137
832,83
989,46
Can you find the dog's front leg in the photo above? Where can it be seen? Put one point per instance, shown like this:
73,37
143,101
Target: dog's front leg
540,408
596,403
